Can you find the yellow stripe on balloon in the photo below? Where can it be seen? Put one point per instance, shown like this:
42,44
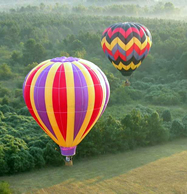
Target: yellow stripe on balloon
70,103
103,85
126,67
149,41
137,42
120,66
133,66
103,41
91,100
136,66
33,103
108,46
114,42
125,47
49,103
144,44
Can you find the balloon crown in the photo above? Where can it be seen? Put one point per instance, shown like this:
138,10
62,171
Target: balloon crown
64,59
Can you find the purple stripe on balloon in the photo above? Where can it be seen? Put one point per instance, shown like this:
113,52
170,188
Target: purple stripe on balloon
39,98
81,98
64,59
107,86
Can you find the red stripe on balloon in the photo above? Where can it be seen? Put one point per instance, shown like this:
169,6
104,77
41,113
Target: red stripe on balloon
148,46
60,100
137,49
116,55
98,97
119,54
109,32
27,94
142,33
106,49
130,30
105,31
120,30
143,50
130,50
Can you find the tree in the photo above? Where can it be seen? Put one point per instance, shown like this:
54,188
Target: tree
156,132
3,163
37,154
134,129
5,72
52,154
15,57
42,6
20,162
5,188
5,100
147,64
184,121
166,115
169,7
29,67
177,129
33,52
183,64
4,91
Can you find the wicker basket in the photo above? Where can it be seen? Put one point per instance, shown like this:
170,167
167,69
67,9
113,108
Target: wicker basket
70,163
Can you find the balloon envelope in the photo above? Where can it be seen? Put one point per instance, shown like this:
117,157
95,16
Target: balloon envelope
66,96
126,45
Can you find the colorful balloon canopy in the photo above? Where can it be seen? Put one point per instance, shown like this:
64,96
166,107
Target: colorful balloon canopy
126,45
66,96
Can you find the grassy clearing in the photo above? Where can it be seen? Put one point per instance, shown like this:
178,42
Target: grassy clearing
165,176
95,175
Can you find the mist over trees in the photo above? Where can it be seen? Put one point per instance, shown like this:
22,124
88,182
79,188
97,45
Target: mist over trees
135,8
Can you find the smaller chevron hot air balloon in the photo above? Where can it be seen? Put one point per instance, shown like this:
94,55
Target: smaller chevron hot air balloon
126,45
66,96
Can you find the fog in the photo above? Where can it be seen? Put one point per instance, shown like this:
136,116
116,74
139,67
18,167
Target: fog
166,9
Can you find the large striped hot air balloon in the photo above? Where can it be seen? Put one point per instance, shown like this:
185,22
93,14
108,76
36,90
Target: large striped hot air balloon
66,96
126,45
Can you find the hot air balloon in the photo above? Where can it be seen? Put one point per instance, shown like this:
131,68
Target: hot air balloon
126,45
66,96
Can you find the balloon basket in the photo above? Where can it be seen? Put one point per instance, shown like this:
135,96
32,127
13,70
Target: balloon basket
69,163
127,83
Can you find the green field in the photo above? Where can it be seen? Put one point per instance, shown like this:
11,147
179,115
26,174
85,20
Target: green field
99,174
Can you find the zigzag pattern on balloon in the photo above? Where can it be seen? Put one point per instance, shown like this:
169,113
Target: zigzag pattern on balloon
126,45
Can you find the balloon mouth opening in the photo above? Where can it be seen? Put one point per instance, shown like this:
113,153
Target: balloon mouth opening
68,151
126,73
64,59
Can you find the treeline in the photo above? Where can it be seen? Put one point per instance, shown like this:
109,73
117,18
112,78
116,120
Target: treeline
24,146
